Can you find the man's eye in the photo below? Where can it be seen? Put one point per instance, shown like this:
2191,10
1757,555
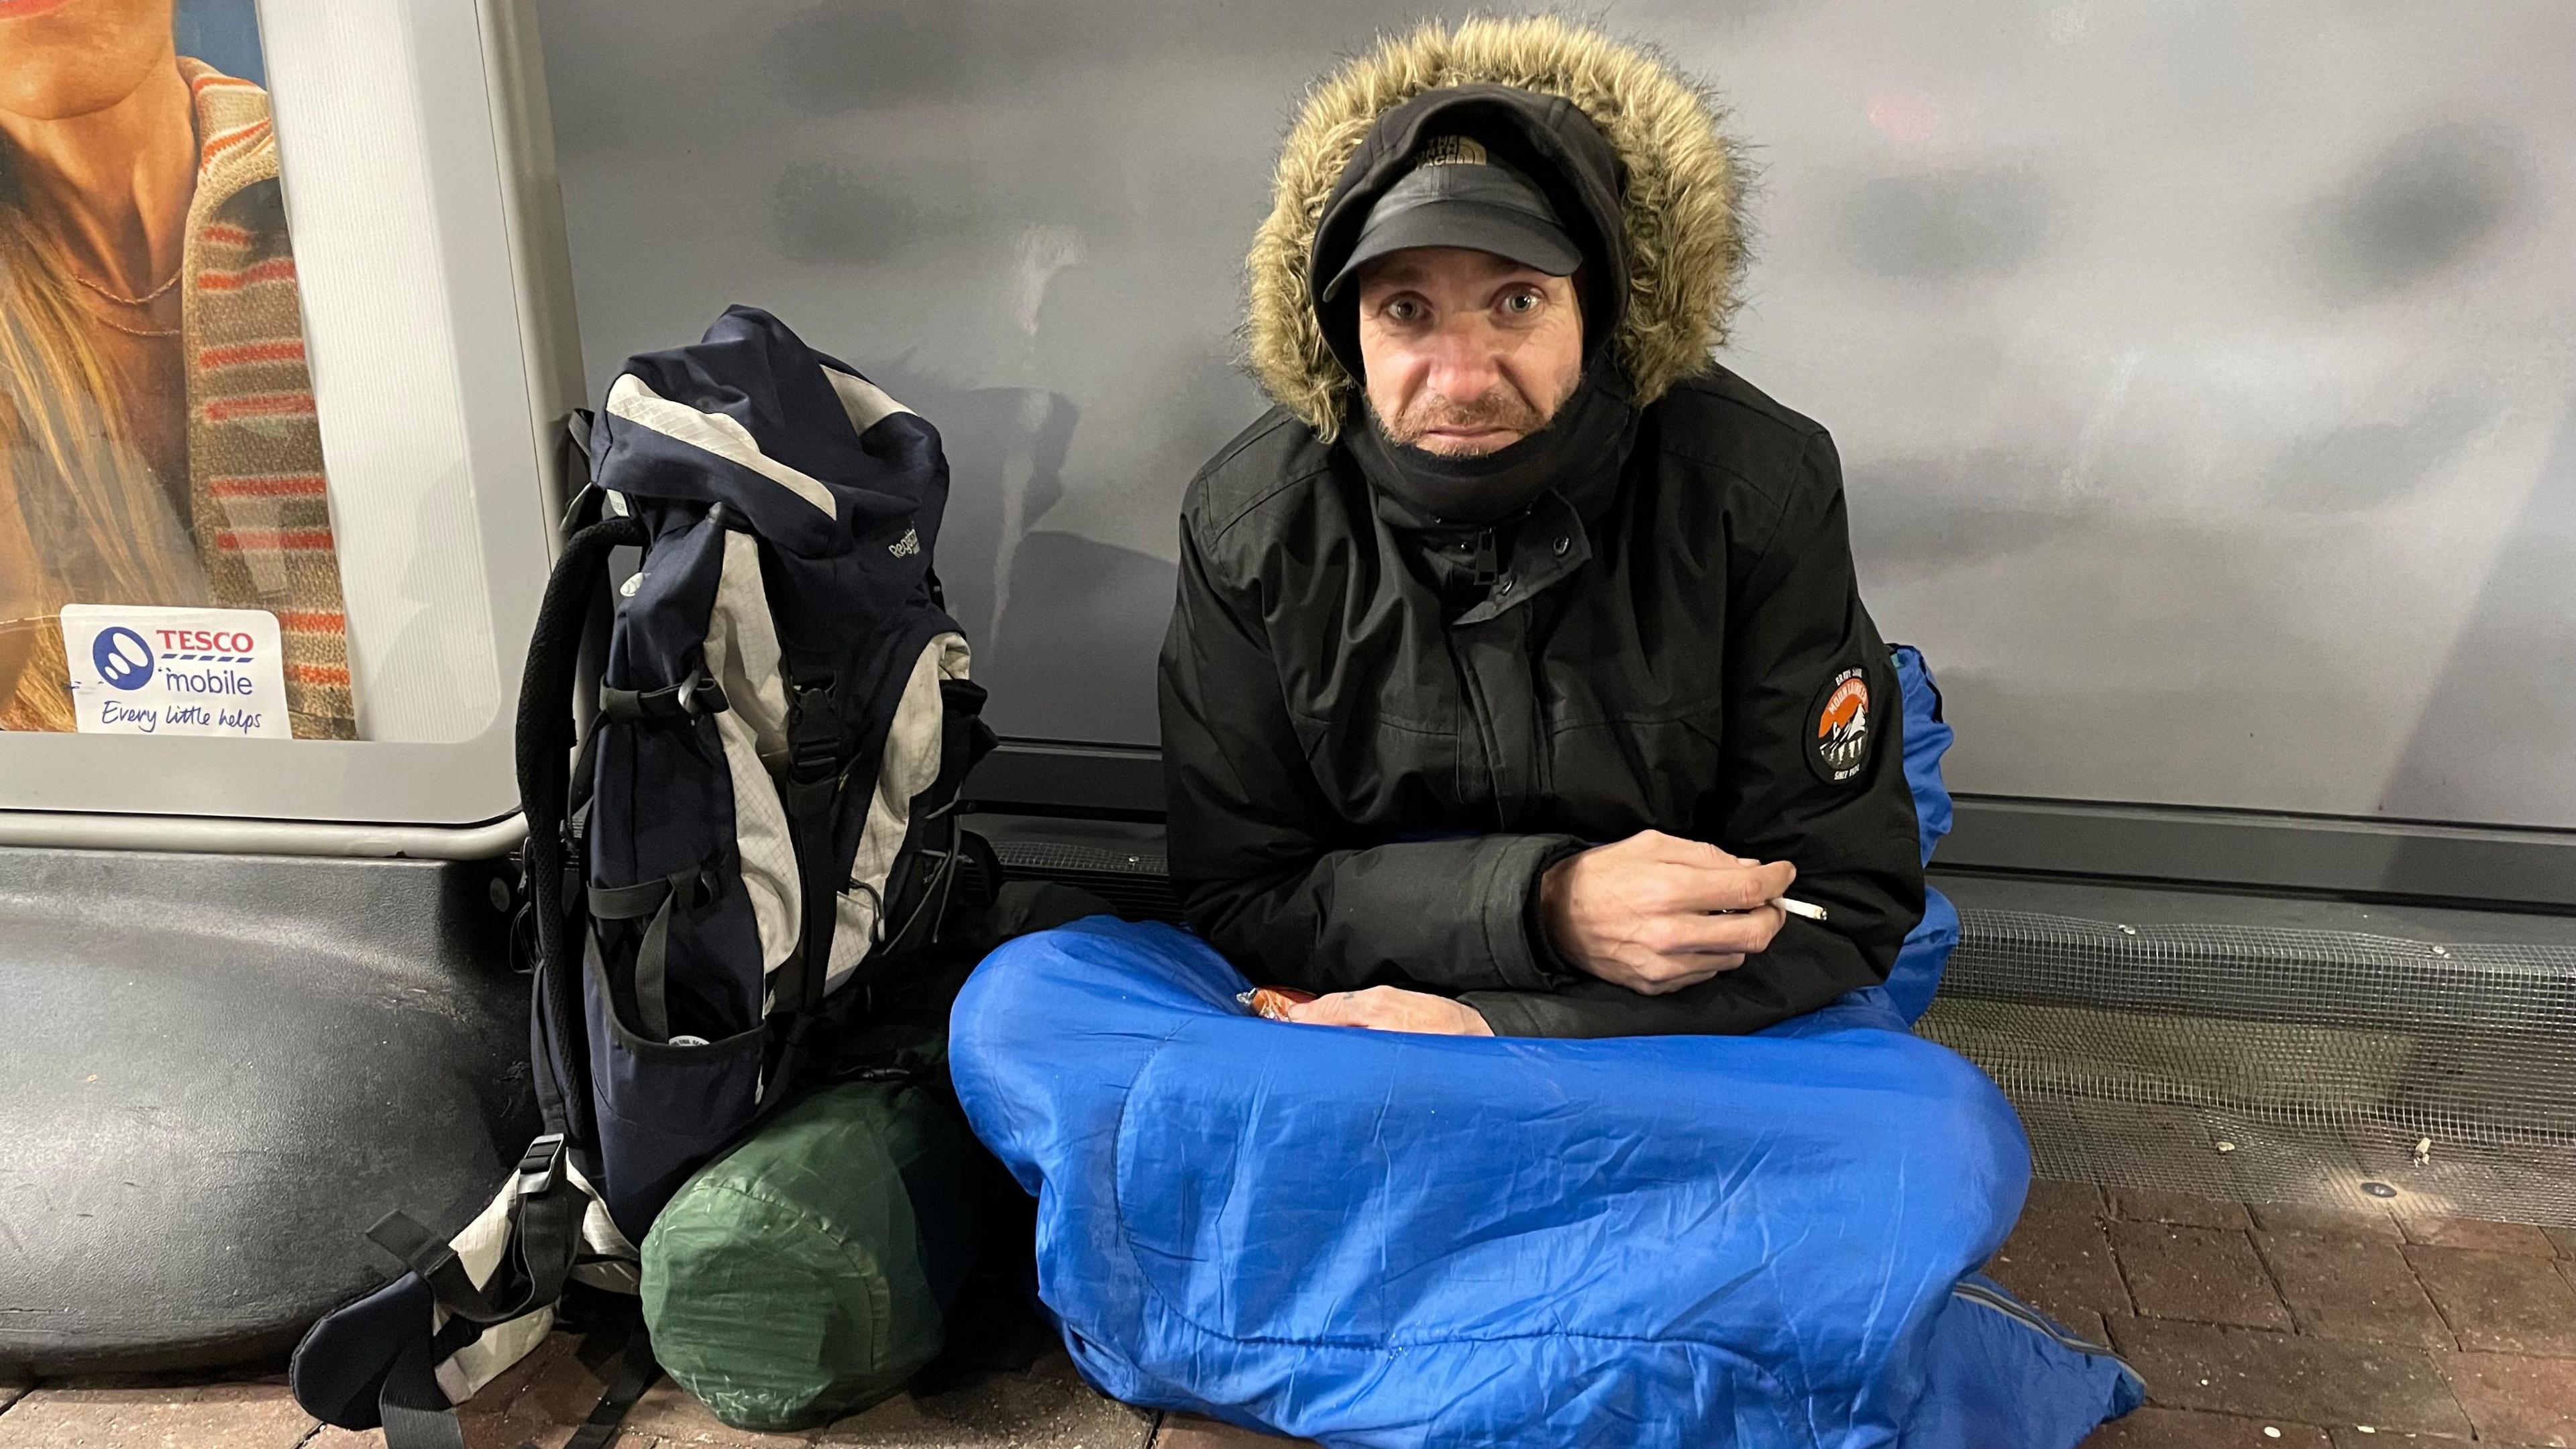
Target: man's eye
1521,304
1403,309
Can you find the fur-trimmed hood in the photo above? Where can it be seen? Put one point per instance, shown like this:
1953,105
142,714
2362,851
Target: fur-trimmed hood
1682,232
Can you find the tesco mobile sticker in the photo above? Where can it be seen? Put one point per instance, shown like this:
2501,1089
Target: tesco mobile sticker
145,671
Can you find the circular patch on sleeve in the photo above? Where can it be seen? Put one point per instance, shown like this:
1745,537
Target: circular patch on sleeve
1838,733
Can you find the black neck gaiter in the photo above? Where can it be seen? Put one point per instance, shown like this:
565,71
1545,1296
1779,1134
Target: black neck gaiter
1589,433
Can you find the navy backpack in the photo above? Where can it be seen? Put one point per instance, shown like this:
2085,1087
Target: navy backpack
752,831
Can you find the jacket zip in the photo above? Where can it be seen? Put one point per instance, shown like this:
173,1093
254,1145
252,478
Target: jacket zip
1542,753
1480,714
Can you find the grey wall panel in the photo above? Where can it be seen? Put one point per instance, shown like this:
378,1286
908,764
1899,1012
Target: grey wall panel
2205,374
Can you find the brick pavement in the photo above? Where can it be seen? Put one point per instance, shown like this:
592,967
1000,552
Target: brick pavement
2254,1327
2313,1323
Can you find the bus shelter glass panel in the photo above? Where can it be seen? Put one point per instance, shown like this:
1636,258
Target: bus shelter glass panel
188,546
276,410
2202,374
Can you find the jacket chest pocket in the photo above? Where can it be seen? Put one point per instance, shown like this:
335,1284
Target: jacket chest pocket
1375,769
1612,778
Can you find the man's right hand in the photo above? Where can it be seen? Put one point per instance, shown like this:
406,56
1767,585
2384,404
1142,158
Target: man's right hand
1637,912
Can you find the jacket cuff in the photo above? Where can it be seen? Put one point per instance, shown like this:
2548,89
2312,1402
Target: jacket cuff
1522,959
1552,964
1506,1013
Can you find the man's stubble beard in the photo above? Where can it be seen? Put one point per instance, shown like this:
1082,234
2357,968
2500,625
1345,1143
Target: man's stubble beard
1499,407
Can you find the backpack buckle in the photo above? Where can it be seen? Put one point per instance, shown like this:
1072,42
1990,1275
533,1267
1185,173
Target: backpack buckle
541,1166
700,694
813,734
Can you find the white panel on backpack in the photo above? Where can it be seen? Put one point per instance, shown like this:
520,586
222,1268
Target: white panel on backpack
865,402
911,766
715,433
742,654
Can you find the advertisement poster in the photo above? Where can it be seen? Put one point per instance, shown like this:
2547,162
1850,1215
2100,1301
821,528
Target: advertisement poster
158,443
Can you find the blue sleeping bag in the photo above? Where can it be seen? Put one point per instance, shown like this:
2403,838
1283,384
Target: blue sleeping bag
1376,1239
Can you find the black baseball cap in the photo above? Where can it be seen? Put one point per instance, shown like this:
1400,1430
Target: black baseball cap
1458,195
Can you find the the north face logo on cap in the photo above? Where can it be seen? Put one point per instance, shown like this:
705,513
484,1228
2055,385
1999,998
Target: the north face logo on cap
1454,151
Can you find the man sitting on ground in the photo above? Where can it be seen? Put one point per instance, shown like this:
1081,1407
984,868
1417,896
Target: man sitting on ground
1518,684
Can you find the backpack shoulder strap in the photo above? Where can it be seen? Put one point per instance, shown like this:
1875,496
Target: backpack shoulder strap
546,794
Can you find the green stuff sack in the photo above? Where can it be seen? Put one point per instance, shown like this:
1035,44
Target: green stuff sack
804,1275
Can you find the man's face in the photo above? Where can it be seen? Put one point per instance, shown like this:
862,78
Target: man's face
1466,352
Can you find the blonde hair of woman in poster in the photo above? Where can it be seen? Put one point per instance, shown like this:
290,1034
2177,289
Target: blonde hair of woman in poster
158,444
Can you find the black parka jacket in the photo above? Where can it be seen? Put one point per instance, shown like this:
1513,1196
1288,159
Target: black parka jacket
1363,791
1379,731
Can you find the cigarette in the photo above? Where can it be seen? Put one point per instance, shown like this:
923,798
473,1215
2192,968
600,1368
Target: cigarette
1799,908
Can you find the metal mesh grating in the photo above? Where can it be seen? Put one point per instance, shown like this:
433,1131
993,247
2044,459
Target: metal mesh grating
1133,881
2275,1065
